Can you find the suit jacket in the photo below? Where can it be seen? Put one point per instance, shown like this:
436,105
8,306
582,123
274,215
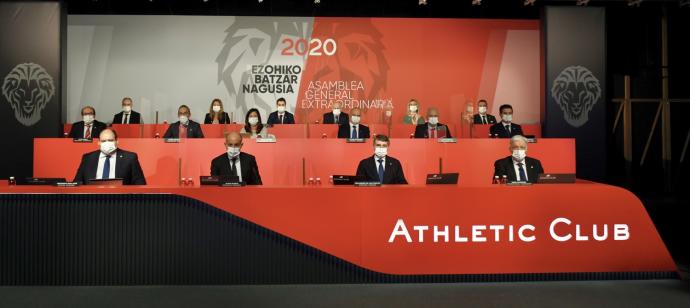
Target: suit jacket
77,130
343,118
134,117
127,167
249,169
489,118
223,119
504,166
393,172
288,118
422,130
344,131
193,130
499,130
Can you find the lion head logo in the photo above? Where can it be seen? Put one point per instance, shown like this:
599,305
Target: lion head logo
28,88
576,90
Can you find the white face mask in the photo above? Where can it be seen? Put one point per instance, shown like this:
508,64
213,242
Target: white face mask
433,120
482,109
253,120
216,108
184,119
127,109
519,155
355,119
336,111
233,151
380,152
281,109
413,108
108,147
88,119
507,118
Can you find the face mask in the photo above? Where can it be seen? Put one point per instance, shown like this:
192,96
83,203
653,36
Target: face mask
233,151
108,147
507,118
253,120
184,119
433,120
380,152
88,119
336,111
519,155
355,119
281,109
413,108
216,108
127,109
482,109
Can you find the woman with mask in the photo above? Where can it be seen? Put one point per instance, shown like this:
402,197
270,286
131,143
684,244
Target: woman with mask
253,126
216,114
413,116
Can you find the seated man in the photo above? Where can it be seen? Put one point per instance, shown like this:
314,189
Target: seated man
335,117
483,117
354,130
432,129
505,128
381,168
518,167
88,127
127,116
110,162
228,164
184,128
282,116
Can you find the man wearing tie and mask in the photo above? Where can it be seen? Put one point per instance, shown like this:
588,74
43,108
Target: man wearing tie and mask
127,116
483,117
281,116
381,168
432,129
88,128
336,116
506,128
110,162
518,167
354,130
235,162
184,128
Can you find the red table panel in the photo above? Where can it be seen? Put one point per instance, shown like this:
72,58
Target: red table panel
289,130
323,131
482,130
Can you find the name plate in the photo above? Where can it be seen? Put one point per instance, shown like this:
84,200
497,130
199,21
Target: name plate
66,184
266,140
532,140
82,140
519,183
367,184
231,184
447,140
171,140
355,140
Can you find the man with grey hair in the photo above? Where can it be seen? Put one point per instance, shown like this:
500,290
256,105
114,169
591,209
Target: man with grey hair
432,128
518,167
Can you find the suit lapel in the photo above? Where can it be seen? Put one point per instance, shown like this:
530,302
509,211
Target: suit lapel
373,171
92,165
119,164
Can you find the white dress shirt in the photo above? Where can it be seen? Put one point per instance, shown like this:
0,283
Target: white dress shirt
101,162
517,169
238,166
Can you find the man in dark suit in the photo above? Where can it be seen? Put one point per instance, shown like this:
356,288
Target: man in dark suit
432,128
353,130
282,116
518,167
506,128
228,164
110,162
184,128
88,127
381,168
127,115
335,116
483,117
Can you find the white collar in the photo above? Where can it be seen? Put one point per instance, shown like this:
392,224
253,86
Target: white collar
113,154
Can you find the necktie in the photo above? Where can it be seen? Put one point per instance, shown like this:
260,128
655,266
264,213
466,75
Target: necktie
523,176
233,169
335,120
281,118
106,168
354,132
87,134
126,121
508,128
380,170
483,119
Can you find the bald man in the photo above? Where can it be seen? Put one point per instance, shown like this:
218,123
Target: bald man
235,162
432,128
89,127
518,167
336,116
354,130
109,162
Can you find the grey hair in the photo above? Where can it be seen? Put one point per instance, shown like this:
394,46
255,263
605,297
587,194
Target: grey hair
521,138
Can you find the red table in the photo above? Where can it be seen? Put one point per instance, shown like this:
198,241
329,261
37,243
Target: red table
482,130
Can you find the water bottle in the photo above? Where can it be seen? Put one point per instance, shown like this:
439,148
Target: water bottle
323,136
12,181
157,135
311,181
504,179
496,180
318,181
330,179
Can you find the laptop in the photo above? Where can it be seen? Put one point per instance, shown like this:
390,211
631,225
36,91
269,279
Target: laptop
442,178
106,182
556,178
39,181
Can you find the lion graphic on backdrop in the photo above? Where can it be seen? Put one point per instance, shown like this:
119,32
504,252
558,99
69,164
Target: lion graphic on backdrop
576,91
28,88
